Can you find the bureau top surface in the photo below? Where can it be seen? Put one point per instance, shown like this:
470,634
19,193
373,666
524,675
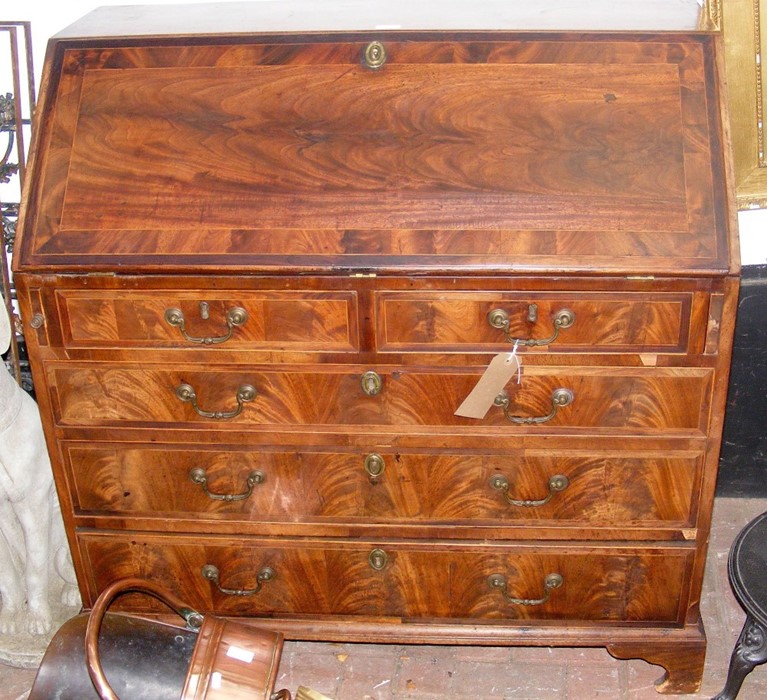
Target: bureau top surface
264,16
465,152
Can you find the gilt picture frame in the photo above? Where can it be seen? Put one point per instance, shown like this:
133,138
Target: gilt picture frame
744,27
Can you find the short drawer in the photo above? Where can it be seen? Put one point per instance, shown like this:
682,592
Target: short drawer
461,494
612,399
562,321
262,320
402,579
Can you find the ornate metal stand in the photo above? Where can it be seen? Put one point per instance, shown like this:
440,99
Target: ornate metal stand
749,652
747,579
15,116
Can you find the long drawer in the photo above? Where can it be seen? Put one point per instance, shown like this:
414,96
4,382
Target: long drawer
402,579
285,490
595,398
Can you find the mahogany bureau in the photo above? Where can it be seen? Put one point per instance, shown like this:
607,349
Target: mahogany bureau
260,271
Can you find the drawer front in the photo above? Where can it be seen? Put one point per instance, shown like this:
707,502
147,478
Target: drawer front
264,320
279,488
575,322
612,399
403,580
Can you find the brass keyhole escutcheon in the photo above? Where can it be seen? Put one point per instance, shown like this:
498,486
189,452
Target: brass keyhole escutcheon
371,383
374,55
378,559
374,465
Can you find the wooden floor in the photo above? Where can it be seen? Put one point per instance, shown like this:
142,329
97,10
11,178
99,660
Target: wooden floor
397,672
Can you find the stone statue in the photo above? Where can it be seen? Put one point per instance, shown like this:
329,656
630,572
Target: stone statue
36,572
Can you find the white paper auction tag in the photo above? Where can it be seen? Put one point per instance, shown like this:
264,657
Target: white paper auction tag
498,373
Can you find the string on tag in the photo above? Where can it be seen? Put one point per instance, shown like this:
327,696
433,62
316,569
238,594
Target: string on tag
513,357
